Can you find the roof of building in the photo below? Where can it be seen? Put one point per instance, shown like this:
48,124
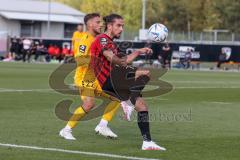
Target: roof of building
38,10
37,6
41,17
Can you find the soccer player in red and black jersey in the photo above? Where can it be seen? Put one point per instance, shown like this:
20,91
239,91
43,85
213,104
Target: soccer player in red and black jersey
119,79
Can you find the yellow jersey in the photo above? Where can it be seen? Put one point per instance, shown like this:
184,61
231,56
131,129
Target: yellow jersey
76,38
82,56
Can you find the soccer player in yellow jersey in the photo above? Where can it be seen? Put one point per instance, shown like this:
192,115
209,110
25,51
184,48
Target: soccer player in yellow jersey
86,81
77,34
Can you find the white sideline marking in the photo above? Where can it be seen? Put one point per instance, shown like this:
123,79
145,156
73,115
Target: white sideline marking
75,152
3,90
203,82
218,102
202,87
24,90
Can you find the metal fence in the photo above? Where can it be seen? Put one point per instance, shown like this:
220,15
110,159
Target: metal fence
214,37
210,37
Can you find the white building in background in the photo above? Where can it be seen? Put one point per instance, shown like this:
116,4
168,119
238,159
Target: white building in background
28,18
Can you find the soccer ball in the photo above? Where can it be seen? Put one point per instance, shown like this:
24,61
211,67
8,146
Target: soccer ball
157,32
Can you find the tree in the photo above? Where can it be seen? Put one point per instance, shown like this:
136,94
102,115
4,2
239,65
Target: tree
228,14
154,9
129,9
177,15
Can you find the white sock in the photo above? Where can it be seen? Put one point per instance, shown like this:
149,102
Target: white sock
103,123
129,103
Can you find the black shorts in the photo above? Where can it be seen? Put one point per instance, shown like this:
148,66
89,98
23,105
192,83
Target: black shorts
119,82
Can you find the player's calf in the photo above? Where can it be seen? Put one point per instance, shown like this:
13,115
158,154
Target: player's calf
143,124
142,77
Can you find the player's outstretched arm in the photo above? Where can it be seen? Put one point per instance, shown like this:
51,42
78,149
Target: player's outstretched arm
114,59
136,53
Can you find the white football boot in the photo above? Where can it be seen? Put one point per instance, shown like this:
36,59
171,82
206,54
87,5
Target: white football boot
105,131
128,109
152,146
66,133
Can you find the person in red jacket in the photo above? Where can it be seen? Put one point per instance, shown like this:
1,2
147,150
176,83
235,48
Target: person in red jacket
65,51
66,54
57,53
51,51
54,52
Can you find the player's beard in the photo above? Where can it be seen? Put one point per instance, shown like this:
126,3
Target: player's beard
118,36
97,32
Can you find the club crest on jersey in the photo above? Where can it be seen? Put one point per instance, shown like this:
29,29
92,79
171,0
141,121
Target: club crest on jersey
82,48
103,41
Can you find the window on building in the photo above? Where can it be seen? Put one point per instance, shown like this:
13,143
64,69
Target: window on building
69,29
31,29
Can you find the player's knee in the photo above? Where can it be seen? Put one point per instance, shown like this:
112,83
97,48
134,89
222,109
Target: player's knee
142,73
147,73
141,108
88,105
140,105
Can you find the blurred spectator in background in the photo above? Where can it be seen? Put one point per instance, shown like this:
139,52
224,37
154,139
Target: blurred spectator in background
54,52
6,58
185,61
77,33
1,58
57,53
32,49
66,54
165,56
51,50
19,50
50,54
188,58
221,59
13,48
41,51
76,36
27,43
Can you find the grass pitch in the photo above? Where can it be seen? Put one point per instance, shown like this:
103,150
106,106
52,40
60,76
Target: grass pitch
198,120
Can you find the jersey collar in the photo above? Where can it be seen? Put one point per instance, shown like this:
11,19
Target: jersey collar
108,36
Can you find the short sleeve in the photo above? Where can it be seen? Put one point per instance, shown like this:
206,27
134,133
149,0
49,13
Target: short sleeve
105,44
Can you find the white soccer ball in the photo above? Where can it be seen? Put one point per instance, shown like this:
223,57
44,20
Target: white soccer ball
157,32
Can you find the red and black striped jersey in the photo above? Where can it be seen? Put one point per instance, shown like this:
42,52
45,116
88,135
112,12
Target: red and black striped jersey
102,67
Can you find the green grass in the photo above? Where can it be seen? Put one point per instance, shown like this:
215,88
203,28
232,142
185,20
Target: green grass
211,132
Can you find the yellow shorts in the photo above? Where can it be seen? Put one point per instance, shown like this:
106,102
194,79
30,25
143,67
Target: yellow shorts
88,88
91,89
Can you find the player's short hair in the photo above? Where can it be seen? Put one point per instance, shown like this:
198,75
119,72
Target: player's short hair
110,19
90,16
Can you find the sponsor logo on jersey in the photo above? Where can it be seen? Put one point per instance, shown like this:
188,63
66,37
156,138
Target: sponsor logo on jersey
103,41
82,48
